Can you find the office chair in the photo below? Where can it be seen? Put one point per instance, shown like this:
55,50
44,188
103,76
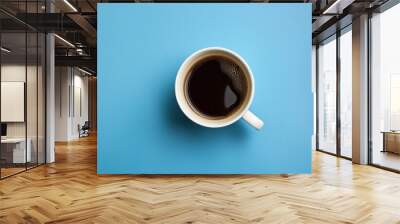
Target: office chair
84,130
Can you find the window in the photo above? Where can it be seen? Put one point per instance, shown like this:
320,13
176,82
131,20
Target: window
385,88
346,92
334,138
327,96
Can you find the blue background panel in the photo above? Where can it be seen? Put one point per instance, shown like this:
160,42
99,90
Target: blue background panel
141,129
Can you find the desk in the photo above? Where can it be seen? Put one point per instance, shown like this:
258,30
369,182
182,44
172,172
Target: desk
15,148
391,141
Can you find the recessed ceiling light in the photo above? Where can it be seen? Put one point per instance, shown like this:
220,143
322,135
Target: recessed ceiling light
70,5
5,50
338,6
84,71
65,41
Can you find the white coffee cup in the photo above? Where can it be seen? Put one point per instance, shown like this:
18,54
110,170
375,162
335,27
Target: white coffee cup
201,119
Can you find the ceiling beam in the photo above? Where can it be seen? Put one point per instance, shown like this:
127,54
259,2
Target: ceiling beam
338,6
86,26
322,20
83,61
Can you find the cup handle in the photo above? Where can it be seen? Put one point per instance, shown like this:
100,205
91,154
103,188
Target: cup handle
253,120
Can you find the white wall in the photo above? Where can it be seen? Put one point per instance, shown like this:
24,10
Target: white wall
9,73
62,82
33,127
80,110
69,112
16,72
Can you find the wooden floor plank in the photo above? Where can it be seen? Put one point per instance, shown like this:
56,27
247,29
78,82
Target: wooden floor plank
70,191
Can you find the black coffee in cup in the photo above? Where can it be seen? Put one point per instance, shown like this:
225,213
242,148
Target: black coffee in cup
216,87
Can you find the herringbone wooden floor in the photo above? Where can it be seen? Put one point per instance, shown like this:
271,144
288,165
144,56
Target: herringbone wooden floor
70,191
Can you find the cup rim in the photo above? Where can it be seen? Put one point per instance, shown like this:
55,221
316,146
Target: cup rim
181,98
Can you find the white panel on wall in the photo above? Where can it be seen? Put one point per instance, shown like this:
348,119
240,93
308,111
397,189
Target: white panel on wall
12,101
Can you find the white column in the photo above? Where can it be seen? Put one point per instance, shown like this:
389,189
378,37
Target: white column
360,90
50,92
50,99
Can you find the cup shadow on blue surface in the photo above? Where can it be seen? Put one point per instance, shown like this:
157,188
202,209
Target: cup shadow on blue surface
238,131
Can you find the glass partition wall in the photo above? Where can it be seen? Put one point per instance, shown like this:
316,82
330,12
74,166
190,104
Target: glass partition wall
13,145
22,89
334,89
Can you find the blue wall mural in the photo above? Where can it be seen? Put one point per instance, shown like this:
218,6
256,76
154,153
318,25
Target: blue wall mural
141,129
